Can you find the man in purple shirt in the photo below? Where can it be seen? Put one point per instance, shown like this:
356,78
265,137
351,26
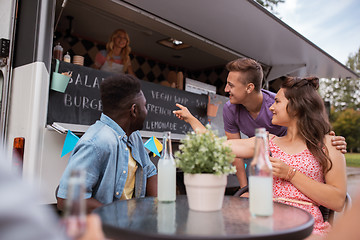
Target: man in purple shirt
248,107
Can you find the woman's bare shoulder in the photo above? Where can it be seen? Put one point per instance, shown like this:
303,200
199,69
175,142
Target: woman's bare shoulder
327,141
333,152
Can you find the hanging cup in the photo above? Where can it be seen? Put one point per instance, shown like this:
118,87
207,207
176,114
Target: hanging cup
59,81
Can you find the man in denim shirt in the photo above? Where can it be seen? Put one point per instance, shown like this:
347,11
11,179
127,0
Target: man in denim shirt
112,151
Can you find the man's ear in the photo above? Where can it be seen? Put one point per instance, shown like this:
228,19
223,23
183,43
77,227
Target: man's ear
133,110
250,87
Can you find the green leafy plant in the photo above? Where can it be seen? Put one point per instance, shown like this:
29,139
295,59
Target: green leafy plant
204,153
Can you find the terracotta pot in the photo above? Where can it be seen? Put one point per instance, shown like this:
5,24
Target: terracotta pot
205,192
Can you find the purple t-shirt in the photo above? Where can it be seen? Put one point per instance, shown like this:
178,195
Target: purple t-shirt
237,118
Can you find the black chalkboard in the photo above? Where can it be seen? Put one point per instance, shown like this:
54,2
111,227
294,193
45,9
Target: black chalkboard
161,102
81,104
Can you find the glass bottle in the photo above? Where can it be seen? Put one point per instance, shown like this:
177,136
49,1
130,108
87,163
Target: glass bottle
67,57
58,52
75,205
260,179
166,172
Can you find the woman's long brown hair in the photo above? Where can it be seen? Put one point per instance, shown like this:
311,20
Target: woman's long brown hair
306,104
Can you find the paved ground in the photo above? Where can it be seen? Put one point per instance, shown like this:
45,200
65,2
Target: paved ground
353,181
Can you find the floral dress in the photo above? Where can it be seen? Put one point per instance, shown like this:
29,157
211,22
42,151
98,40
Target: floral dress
307,164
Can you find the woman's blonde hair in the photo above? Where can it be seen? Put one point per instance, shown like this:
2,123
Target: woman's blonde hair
124,52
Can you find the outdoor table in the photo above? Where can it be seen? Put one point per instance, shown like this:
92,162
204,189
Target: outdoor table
146,218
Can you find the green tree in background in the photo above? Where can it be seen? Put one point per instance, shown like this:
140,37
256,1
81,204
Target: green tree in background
354,62
341,93
269,4
347,124
344,93
344,97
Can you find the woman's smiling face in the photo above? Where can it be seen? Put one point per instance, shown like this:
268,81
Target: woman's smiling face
280,115
120,40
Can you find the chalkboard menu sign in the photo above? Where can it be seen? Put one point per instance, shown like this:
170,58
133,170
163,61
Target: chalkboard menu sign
81,104
161,102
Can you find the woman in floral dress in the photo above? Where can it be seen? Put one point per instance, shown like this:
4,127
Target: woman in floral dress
308,170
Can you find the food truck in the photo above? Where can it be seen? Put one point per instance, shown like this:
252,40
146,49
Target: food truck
194,39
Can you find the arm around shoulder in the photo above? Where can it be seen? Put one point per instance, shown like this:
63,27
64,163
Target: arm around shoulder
338,142
242,148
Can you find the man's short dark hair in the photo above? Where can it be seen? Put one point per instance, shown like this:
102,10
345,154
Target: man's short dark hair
252,69
117,90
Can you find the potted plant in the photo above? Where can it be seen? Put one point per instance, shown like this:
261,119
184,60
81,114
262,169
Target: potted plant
206,162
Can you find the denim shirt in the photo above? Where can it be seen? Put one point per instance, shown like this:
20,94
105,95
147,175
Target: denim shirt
103,152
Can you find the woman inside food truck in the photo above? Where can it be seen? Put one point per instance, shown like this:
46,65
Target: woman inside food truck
116,56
